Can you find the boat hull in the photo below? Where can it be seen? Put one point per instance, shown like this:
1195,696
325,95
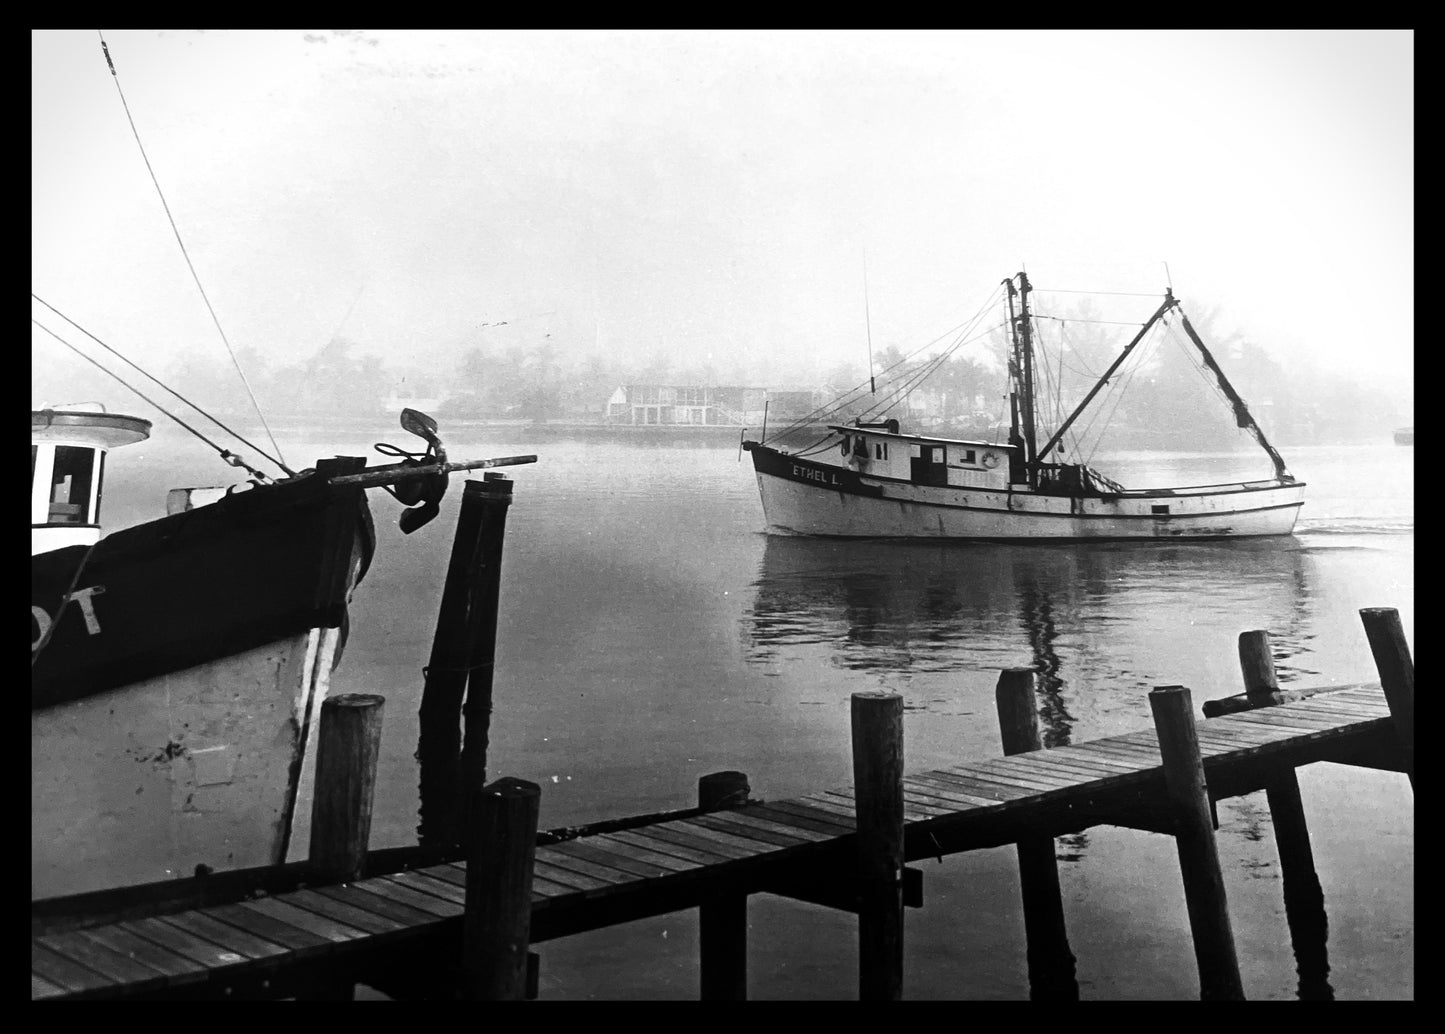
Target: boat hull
174,698
804,497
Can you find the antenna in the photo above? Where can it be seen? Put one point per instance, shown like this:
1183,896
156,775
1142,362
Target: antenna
1168,280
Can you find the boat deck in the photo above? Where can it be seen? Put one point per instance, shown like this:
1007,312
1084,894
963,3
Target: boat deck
802,847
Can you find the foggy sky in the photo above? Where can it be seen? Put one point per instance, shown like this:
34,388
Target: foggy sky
714,195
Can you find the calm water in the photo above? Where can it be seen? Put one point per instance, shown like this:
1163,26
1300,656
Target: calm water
650,633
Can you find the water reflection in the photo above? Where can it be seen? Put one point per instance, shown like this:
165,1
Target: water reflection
1091,619
917,607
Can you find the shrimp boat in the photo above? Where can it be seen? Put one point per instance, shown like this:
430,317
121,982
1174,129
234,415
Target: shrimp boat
873,479
178,666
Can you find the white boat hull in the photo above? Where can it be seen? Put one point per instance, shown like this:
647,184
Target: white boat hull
199,767
797,506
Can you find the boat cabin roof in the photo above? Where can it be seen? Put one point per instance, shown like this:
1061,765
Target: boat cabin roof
78,427
878,432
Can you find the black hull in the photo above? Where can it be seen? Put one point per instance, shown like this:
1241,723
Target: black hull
194,587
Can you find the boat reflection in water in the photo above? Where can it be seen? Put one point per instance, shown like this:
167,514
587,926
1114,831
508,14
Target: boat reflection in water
1100,623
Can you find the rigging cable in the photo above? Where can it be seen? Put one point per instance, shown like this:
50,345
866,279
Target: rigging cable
230,457
174,229
235,434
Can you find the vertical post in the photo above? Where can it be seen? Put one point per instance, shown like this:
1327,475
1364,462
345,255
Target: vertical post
1051,962
495,493
1304,901
1397,674
878,799
349,743
501,842
439,741
1204,897
723,921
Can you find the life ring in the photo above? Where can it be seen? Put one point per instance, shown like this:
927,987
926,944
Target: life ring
990,460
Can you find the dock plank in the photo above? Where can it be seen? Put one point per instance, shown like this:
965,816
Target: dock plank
61,971
758,831
630,849
358,896
344,912
115,966
418,880
672,835
42,988
207,928
404,895
752,818
176,967
281,910
691,853
817,821
211,954
580,883
581,849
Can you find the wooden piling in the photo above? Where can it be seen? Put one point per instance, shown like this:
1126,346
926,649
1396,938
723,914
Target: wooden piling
877,720
723,921
460,667
1397,674
1050,960
348,745
500,841
1219,978
495,492
1304,900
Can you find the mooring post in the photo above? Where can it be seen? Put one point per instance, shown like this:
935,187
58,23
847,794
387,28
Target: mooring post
495,492
501,844
1219,978
348,743
439,741
723,920
1304,901
463,651
1397,674
878,800
1050,960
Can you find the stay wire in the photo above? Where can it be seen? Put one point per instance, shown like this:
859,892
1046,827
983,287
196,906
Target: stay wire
235,434
226,454
190,265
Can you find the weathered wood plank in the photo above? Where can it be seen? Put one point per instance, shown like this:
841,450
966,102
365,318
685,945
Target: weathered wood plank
641,838
42,988
340,911
956,788
1026,786
637,867
745,832
418,880
1118,762
671,833
64,972
207,928
115,966
751,818
630,849
579,883
355,895
608,874
816,821
280,910
843,807
393,891
455,873
957,799
210,953
1048,775
972,785
177,967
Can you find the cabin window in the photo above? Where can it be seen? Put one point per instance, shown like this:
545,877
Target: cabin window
937,454
1157,508
967,456
70,482
880,450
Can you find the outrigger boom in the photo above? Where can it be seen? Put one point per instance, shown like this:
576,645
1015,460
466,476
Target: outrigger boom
395,473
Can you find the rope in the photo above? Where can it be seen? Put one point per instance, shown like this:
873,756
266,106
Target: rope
198,409
228,456
190,265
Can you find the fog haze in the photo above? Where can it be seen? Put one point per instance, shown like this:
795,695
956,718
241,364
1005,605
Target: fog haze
711,198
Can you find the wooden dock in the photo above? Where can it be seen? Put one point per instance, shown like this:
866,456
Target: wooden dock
396,931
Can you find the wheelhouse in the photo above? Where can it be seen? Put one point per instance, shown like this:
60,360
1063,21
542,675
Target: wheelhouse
67,466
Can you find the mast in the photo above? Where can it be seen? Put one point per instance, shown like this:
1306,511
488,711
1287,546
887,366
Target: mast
1026,337
1022,431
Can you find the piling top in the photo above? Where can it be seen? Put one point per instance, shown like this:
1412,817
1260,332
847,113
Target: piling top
358,700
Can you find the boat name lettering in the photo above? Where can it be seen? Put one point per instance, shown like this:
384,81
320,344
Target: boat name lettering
804,474
87,610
